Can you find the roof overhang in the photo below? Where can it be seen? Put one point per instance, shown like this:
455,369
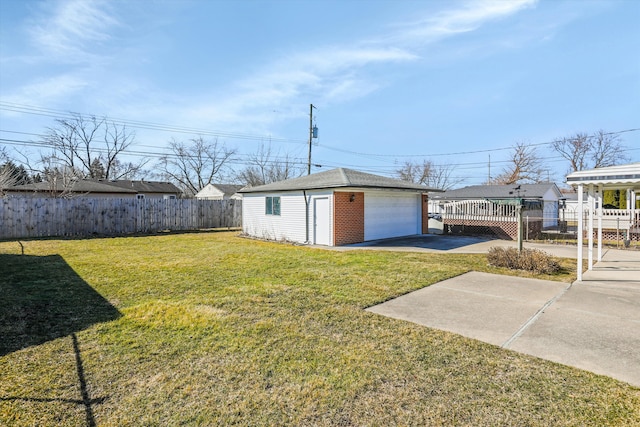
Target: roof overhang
341,188
612,177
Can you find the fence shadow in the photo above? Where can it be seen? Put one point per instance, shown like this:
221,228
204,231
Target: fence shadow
42,299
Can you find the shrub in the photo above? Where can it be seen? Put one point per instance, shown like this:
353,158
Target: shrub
529,259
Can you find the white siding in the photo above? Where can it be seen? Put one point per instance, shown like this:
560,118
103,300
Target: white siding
290,224
391,214
550,209
209,192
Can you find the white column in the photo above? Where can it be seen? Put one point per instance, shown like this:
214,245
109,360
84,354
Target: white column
599,201
591,207
633,208
580,226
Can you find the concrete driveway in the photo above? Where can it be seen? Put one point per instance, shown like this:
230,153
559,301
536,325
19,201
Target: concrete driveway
453,244
592,325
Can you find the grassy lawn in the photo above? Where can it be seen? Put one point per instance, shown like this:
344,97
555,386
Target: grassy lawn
213,329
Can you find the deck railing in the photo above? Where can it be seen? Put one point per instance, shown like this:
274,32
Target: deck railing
473,210
612,219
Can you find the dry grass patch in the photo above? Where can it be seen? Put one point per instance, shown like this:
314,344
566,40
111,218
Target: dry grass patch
533,260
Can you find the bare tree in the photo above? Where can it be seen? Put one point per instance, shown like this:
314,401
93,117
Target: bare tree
59,176
90,146
428,174
196,163
265,167
575,149
525,166
607,150
591,151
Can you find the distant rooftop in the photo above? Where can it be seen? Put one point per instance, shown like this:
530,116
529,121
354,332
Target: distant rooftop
100,186
526,191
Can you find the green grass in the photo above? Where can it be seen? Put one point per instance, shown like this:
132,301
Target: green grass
213,329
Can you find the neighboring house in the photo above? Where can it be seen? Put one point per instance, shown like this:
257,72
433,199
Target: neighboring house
219,192
98,188
336,207
491,208
569,208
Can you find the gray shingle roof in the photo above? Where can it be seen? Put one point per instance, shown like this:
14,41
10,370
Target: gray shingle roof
337,178
101,186
143,186
527,191
228,189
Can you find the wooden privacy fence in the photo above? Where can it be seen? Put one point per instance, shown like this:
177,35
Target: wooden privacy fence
82,217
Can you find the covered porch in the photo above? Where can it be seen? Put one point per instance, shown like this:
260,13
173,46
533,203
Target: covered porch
594,182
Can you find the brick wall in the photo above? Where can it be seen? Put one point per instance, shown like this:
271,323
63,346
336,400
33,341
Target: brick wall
348,218
425,214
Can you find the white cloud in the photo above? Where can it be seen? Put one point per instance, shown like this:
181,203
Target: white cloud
328,74
337,73
72,29
47,91
467,18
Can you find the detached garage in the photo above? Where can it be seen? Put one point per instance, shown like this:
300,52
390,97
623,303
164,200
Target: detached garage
336,207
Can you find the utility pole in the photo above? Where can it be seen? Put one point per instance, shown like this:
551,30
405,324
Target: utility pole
313,133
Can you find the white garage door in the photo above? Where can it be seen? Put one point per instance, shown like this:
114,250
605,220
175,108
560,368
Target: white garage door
391,215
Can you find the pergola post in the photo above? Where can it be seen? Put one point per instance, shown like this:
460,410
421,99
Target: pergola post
599,202
591,207
618,177
631,201
580,228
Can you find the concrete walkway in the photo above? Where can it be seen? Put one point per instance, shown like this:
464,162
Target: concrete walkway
592,325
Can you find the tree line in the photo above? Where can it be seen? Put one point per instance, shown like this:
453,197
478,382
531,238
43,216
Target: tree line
525,165
82,147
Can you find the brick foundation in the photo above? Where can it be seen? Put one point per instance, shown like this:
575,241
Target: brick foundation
499,229
348,218
611,235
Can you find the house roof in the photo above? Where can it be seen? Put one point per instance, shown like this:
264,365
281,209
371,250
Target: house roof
526,191
100,186
622,176
143,186
228,189
337,178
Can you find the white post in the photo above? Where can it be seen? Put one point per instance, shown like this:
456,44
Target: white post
599,201
580,226
590,203
633,210
630,207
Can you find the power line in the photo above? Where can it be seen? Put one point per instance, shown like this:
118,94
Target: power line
237,159
29,109
59,114
459,153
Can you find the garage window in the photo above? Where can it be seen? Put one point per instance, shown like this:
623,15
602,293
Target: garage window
272,206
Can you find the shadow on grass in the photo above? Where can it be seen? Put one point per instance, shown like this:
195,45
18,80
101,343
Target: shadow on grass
42,299
86,399
440,242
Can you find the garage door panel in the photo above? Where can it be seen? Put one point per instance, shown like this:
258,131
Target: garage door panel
390,216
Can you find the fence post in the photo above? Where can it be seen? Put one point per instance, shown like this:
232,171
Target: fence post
519,211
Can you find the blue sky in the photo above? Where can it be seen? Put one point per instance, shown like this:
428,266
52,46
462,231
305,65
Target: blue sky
449,81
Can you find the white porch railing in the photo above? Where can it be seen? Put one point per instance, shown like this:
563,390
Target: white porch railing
474,210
